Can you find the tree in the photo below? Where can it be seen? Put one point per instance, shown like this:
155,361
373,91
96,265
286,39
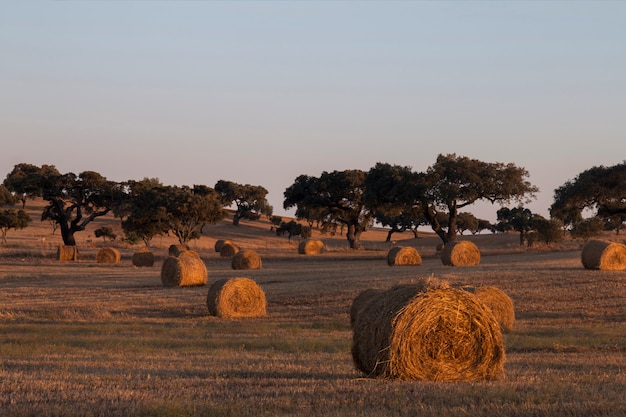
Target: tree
12,219
600,189
105,232
517,218
545,230
73,200
456,182
6,197
249,199
466,221
335,198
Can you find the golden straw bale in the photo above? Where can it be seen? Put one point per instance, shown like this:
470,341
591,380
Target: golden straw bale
220,243
108,256
188,252
175,250
606,256
67,253
310,247
183,271
500,305
143,257
460,253
236,297
228,250
246,259
442,334
403,255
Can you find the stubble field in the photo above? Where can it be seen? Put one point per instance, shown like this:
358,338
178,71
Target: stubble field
87,339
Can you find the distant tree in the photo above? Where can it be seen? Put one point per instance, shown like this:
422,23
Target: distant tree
466,221
249,199
546,230
105,232
12,219
517,218
587,228
25,180
483,225
6,197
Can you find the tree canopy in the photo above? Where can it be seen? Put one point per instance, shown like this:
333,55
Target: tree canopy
249,199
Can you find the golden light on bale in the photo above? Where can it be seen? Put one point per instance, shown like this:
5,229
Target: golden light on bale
228,250
236,297
188,252
183,271
403,255
175,250
108,256
310,247
441,334
67,253
220,243
500,305
460,253
143,257
602,255
246,259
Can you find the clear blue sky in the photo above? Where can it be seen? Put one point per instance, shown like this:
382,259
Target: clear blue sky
259,92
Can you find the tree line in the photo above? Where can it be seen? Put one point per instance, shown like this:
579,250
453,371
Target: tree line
397,197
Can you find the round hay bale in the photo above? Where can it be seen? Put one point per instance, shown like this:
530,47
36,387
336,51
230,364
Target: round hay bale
236,297
67,253
460,253
442,334
500,305
108,256
188,252
183,271
403,255
602,255
175,250
220,243
228,250
246,259
143,257
310,247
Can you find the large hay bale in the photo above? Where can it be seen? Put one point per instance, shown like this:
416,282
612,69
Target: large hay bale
236,297
460,253
310,247
143,257
67,253
108,256
499,303
219,244
602,255
175,250
442,334
183,271
188,252
228,250
403,255
246,259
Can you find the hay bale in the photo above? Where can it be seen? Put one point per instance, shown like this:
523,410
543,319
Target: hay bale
602,255
310,247
246,259
441,334
188,252
460,253
403,255
143,257
108,256
236,297
67,253
183,271
175,250
500,305
228,250
219,244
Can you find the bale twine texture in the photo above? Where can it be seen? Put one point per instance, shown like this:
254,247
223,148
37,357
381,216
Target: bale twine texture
183,271
220,243
228,250
441,334
108,256
67,253
188,252
236,297
460,253
175,250
310,247
246,259
500,305
143,257
602,255
403,255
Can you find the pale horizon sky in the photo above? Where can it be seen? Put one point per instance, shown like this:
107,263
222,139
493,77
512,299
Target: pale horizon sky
260,92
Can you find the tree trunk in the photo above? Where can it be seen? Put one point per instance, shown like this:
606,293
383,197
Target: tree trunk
67,234
353,237
235,219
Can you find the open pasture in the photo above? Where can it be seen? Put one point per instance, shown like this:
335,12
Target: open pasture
89,339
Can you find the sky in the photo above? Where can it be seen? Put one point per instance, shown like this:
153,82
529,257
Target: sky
260,92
